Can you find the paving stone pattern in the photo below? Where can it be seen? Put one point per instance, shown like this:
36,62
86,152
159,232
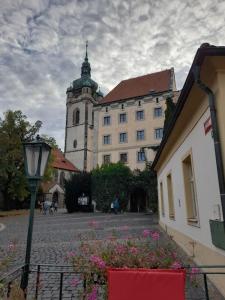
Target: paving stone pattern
55,235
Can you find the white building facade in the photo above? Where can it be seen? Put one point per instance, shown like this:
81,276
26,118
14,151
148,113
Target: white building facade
190,193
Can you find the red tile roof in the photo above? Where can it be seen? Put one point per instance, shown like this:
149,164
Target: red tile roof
60,162
139,86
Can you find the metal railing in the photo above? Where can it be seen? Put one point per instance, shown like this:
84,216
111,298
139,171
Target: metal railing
203,273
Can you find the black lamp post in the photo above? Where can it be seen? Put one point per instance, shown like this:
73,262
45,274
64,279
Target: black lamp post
36,156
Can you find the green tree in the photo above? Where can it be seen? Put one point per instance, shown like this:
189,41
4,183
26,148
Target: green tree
14,129
170,108
108,181
147,181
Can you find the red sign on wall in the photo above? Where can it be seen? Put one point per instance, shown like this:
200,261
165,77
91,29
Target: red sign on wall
208,125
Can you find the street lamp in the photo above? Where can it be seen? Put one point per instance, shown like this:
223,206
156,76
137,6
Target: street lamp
36,156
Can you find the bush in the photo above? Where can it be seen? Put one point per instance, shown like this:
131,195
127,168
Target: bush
107,182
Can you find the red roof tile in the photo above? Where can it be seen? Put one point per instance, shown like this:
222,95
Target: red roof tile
60,162
139,86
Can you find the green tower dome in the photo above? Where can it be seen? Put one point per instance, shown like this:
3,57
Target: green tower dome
85,80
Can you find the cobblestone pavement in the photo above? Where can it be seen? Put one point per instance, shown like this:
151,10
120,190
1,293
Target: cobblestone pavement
55,235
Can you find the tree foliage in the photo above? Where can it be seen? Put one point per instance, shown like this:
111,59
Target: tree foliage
108,181
170,108
79,184
14,129
147,181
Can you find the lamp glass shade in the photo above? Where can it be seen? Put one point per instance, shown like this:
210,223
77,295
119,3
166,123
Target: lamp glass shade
32,157
44,158
36,158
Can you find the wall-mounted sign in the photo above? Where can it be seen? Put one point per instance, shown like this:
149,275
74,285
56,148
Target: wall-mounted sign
83,200
208,125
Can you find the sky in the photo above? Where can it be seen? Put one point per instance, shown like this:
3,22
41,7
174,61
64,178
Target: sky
42,47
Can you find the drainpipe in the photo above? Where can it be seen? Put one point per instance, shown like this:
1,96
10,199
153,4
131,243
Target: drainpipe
215,131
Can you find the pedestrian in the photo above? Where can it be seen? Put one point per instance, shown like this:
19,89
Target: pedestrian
116,205
112,207
51,209
56,206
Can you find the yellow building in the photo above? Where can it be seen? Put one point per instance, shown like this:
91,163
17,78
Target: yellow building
115,127
190,163
131,117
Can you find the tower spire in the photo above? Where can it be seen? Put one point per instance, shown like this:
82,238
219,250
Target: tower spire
86,68
86,56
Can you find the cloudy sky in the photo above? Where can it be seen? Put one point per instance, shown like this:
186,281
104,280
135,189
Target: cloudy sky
42,46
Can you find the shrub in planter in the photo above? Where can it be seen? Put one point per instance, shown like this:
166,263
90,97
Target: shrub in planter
119,251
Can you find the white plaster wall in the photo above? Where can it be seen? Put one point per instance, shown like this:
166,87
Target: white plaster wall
76,158
206,179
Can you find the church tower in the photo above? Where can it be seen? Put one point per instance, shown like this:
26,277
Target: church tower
81,97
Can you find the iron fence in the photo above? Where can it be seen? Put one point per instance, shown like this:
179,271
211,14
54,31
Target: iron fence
62,284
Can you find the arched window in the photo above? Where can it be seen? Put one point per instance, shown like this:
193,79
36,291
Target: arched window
76,116
75,144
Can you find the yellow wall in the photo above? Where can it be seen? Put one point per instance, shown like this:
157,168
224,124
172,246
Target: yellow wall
131,126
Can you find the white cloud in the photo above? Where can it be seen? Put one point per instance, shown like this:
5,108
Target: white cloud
42,47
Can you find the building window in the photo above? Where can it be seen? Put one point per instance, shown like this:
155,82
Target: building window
140,156
123,137
158,133
76,116
122,106
170,197
106,109
140,135
190,190
157,100
123,118
123,157
106,120
75,144
140,115
162,200
139,103
157,112
107,139
106,159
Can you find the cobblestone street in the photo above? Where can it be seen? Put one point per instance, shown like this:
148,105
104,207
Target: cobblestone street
55,235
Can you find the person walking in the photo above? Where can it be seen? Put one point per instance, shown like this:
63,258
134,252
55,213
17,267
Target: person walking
116,205
112,207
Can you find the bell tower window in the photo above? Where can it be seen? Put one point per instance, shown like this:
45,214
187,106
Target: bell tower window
76,116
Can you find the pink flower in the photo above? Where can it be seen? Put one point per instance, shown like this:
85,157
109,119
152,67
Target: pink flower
176,265
74,282
93,294
146,233
134,250
120,249
98,261
70,254
194,270
155,235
